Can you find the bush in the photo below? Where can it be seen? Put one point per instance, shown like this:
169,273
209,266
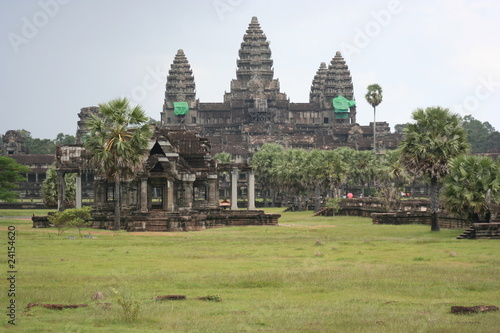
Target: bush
130,307
334,204
73,217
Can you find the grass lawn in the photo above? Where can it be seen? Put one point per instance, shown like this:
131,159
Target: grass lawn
311,274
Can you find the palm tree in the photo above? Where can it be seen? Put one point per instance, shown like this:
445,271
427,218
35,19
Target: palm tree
336,170
374,98
264,162
364,168
428,146
466,186
118,141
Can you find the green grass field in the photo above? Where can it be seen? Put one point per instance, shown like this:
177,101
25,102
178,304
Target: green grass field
311,274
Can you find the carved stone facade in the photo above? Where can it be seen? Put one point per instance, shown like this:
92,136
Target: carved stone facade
255,111
13,143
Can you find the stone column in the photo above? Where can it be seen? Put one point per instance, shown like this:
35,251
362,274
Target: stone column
188,194
170,196
251,190
213,193
78,179
234,189
144,195
61,189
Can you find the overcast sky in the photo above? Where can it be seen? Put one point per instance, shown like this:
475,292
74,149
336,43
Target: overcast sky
58,56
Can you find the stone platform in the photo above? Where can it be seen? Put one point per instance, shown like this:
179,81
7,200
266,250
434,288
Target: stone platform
194,220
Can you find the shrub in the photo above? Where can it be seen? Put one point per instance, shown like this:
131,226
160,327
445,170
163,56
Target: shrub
73,217
130,307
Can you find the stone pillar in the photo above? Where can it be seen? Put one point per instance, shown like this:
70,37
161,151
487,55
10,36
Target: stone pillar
61,189
78,179
234,189
188,194
251,190
170,196
144,195
213,193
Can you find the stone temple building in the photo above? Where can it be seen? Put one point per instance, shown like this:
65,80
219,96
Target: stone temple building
177,189
255,111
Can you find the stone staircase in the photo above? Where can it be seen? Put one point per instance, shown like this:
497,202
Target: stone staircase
470,233
482,231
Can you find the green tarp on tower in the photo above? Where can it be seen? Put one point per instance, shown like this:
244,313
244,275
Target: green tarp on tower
181,108
341,103
341,106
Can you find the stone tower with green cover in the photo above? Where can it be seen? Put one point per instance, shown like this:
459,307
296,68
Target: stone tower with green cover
180,92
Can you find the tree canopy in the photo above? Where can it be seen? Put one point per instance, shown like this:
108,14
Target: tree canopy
223,158
10,174
481,135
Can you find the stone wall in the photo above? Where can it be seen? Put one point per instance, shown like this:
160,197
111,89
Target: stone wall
200,220
400,218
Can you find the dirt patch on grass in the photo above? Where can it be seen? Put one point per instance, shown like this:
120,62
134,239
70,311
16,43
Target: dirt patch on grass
306,226
155,233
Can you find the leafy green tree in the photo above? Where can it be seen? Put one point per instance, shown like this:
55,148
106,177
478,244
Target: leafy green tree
399,128
494,142
38,146
466,185
374,98
10,175
223,158
64,139
118,143
429,144
50,192
481,135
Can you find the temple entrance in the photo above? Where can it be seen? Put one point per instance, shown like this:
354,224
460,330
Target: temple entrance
158,197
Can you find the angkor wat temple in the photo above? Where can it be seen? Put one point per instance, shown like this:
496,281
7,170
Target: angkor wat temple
178,189
255,111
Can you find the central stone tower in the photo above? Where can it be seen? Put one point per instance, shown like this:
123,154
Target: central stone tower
255,88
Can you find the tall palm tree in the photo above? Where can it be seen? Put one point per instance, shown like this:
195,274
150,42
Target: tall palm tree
118,141
428,146
374,98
